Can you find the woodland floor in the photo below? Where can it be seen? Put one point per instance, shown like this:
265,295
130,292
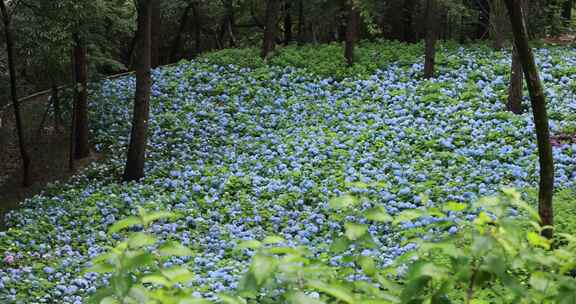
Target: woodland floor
48,148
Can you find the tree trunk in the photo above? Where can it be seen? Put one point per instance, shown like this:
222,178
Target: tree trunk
483,29
177,44
26,181
56,104
197,29
567,11
156,39
272,10
538,102
395,20
351,33
81,143
407,14
516,85
431,38
498,24
228,23
287,22
138,136
301,23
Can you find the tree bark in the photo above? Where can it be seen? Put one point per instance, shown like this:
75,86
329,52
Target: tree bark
177,44
56,104
407,15
431,38
516,84
81,142
287,22
228,22
567,11
138,136
351,33
538,103
26,180
156,41
301,23
197,29
272,11
483,29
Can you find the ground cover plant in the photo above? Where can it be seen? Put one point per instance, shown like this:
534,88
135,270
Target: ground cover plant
241,153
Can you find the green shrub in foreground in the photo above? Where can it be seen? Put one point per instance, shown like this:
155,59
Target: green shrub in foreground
499,257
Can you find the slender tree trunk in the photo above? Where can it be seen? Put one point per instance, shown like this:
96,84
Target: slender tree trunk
407,14
351,32
81,143
301,23
516,84
228,22
287,22
431,38
567,11
156,33
272,11
56,104
483,29
197,29
26,181
138,136
498,24
538,102
177,44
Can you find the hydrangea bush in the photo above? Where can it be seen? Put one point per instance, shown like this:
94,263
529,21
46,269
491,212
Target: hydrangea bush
500,257
241,153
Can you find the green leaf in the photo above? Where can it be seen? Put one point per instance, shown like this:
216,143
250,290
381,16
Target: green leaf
337,291
343,202
302,298
355,231
537,240
178,274
252,244
408,215
273,240
541,282
141,239
157,279
455,207
124,223
194,301
339,245
226,299
135,260
262,267
109,300
368,265
170,249
378,214
148,218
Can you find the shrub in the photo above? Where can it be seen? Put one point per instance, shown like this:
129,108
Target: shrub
500,256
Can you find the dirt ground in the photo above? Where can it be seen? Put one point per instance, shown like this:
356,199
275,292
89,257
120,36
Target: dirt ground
48,147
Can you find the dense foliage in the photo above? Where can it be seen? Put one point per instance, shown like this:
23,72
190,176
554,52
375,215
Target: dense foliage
242,153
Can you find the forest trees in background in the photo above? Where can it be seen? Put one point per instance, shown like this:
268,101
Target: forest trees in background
9,41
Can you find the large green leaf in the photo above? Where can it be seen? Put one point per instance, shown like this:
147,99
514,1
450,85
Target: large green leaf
378,214
124,223
355,231
170,249
343,202
262,267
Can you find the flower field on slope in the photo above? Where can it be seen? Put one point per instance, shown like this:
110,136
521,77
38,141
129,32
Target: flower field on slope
244,153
